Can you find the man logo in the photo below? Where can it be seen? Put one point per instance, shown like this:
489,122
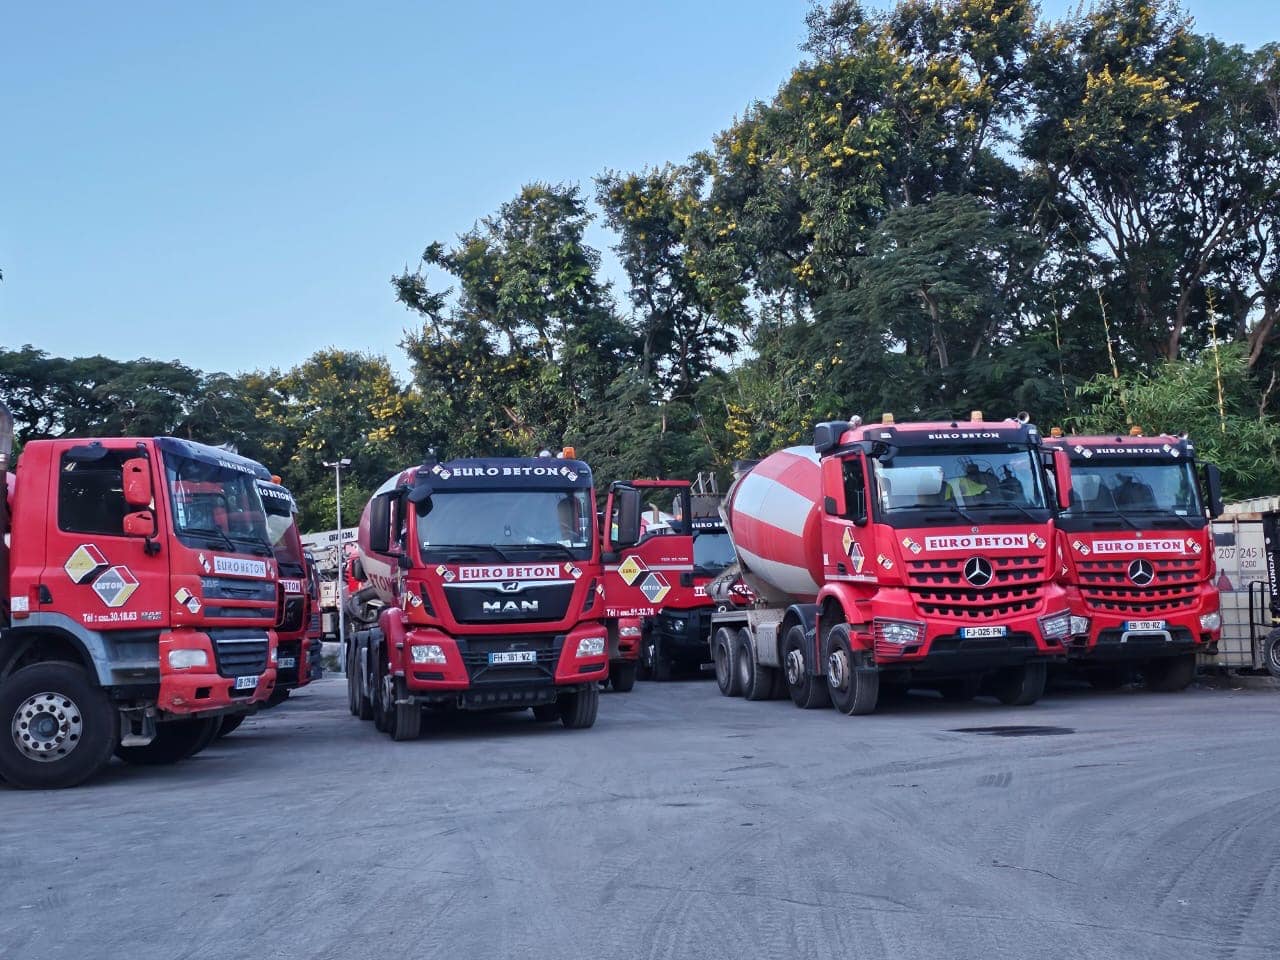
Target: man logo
977,570
1141,573
510,606
510,586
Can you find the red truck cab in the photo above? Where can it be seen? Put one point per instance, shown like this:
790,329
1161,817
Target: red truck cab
139,603
490,570
293,668
1135,554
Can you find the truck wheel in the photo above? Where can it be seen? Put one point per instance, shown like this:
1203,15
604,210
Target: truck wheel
644,666
961,689
623,678
663,668
61,728
353,702
1171,674
545,712
807,691
757,681
212,726
578,710
1271,653
384,713
408,721
230,724
724,653
1020,686
174,740
364,702
854,689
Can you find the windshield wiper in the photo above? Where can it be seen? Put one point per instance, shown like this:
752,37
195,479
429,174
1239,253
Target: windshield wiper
211,532
1015,506
954,507
552,545
261,543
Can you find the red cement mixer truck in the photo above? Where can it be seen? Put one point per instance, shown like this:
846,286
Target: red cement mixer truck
895,554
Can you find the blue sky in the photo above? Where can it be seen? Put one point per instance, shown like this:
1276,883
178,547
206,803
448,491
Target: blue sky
233,184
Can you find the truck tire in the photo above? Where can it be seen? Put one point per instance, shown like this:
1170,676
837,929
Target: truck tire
546,712
364,702
384,712
623,678
1271,653
1020,686
174,740
578,710
1171,674
353,679
408,721
212,726
757,681
854,689
54,711
724,654
961,689
807,691
230,724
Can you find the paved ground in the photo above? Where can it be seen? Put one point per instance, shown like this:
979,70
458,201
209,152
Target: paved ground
683,826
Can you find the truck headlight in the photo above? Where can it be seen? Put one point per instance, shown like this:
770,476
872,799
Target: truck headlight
1056,626
629,631
186,659
900,632
275,656
590,647
1211,621
678,625
427,653
1079,626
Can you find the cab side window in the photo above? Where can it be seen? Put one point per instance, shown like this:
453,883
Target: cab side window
855,491
91,494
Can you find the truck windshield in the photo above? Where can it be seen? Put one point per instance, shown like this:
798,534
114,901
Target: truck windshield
527,523
215,504
285,543
712,552
993,476
1134,486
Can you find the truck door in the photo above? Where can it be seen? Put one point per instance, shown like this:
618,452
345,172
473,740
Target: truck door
846,545
644,574
106,562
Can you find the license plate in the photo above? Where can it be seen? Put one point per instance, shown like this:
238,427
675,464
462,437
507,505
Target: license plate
514,656
982,633
287,662
1143,625
246,683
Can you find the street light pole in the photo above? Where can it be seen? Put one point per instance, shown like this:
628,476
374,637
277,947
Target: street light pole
338,466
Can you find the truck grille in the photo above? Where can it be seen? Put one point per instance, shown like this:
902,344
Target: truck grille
241,656
475,656
977,605
1106,587
1007,572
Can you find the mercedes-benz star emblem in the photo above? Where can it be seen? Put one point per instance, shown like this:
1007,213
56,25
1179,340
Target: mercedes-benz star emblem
977,570
1141,572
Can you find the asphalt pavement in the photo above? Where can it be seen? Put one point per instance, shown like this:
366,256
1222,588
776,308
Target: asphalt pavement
684,825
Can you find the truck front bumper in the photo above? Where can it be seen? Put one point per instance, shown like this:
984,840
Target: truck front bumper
682,634
215,685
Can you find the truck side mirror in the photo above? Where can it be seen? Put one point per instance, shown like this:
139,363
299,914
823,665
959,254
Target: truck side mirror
1062,478
380,525
140,523
1213,489
137,482
833,501
628,517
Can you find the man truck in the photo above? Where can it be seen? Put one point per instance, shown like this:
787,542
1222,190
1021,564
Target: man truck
139,602
491,572
915,554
